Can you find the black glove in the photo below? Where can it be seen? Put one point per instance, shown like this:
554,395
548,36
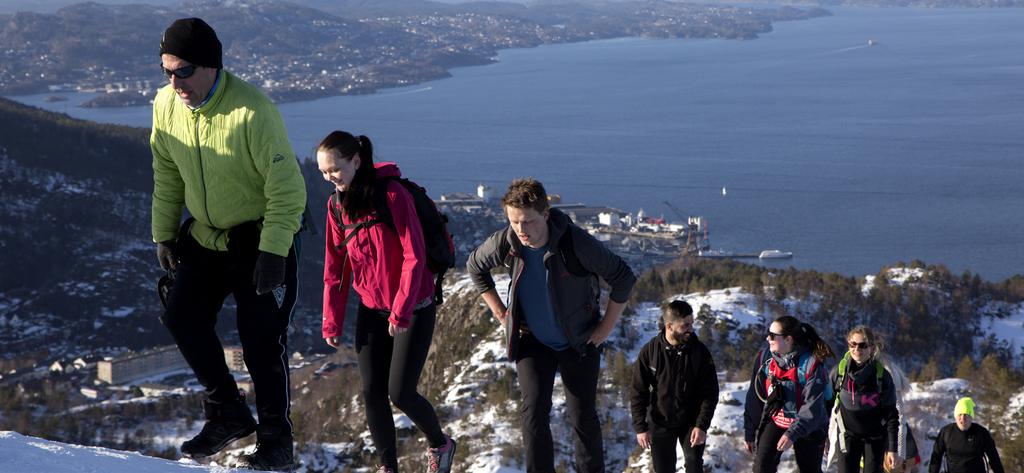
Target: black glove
166,254
269,272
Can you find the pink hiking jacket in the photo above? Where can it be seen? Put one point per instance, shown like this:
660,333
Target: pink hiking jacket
387,268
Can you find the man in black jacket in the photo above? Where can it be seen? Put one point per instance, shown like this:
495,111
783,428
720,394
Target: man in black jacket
553,321
965,446
674,392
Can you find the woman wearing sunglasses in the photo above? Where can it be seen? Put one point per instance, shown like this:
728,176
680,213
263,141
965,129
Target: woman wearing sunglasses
788,395
865,425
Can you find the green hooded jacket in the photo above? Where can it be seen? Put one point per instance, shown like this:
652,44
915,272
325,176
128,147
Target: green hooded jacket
228,162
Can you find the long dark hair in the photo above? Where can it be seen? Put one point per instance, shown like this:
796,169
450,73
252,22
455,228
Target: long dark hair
804,334
357,201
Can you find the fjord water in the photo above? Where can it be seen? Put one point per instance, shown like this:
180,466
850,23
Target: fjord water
849,155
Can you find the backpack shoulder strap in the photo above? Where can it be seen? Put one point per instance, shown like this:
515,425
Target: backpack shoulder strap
335,206
567,249
380,201
505,249
336,211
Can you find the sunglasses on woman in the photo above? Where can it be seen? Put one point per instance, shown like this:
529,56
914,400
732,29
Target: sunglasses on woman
183,72
772,335
859,346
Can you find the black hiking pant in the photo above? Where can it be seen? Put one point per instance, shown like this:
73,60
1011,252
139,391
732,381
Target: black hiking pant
202,280
872,449
663,450
809,450
390,369
536,365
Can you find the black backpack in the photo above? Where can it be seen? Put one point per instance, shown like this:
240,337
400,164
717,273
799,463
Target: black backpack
440,247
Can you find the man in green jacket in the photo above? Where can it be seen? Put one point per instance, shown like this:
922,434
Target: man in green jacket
220,149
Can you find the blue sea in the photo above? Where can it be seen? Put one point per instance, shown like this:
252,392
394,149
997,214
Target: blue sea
849,155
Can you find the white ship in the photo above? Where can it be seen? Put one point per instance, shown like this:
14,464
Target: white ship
775,254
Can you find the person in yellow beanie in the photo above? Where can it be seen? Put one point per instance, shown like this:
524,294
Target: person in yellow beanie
965,446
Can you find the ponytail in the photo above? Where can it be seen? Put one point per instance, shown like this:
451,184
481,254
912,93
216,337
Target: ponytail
819,347
365,148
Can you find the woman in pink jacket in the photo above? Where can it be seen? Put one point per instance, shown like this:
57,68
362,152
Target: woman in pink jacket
384,259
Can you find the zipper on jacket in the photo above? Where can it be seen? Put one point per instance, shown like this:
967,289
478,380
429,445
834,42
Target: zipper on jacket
202,175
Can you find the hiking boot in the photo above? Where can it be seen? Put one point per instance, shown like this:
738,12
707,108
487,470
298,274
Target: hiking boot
273,451
225,423
440,459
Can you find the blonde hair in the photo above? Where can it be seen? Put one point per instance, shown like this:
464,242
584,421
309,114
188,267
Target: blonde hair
899,377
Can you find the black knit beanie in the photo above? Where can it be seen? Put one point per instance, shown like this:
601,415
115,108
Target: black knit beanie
194,41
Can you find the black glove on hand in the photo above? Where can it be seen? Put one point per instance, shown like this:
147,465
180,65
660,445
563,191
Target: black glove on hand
269,272
166,254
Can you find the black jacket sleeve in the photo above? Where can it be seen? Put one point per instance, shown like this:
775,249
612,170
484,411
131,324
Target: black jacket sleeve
753,405
994,462
939,450
709,391
640,391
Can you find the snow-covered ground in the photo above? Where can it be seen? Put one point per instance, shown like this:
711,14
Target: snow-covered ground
21,454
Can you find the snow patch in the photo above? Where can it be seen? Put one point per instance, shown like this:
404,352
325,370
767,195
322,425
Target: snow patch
896,277
1005,322
21,453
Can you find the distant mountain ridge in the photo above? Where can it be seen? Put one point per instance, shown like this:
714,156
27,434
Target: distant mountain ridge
294,52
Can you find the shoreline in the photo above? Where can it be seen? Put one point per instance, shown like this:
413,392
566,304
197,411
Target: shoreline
441,68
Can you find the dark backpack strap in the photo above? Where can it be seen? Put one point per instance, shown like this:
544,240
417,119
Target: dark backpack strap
569,257
353,228
335,206
505,251
380,202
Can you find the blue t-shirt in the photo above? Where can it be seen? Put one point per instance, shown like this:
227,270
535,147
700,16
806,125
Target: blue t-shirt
535,300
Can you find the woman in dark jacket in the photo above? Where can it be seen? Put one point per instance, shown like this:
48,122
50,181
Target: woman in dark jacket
791,389
867,424
674,392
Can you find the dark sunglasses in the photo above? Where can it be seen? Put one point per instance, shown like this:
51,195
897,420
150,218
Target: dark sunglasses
181,72
772,335
861,345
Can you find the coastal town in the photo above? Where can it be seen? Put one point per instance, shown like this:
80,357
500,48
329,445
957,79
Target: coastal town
330,55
